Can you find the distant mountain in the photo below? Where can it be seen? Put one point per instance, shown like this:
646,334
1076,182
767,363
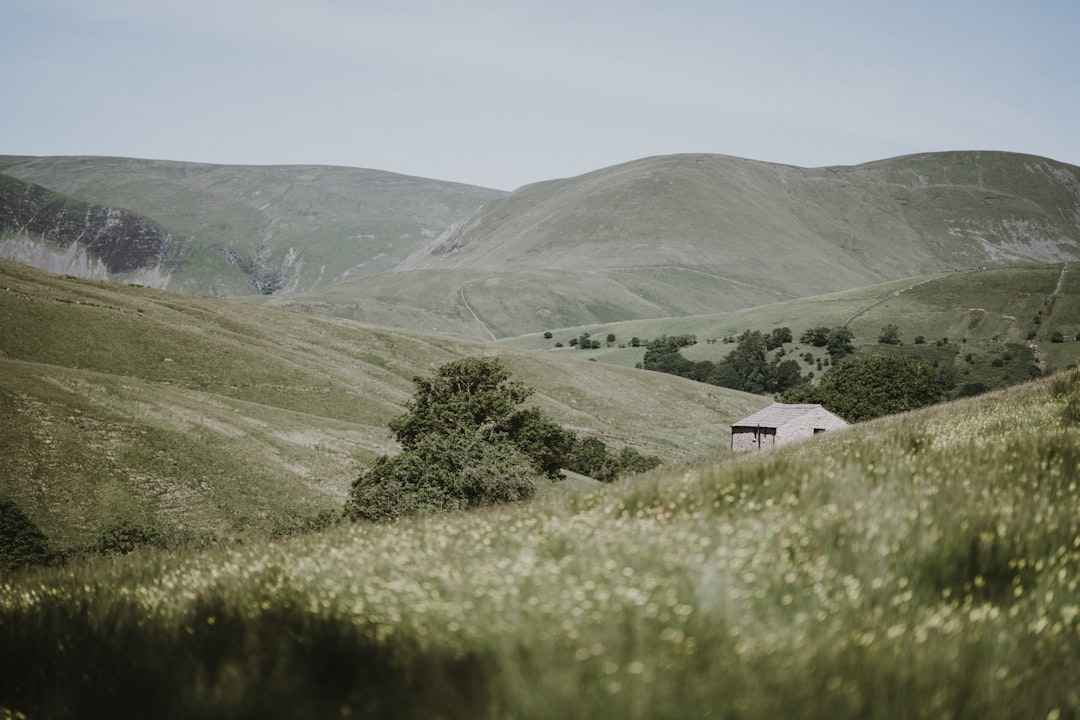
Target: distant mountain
46,230
751,221
670,236
249,229
694,234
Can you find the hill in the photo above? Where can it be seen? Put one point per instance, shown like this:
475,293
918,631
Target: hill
259,229
925,565
990,326
213,420
701,234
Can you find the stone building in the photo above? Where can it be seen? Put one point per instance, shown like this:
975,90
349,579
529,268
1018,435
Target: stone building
780,423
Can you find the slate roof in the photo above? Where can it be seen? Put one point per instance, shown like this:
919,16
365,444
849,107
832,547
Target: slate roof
775,415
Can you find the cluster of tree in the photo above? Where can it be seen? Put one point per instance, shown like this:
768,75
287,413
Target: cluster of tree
870,386
465,443
837,341
585,341
747,367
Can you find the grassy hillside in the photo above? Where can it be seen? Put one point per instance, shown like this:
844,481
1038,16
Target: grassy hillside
922,566
971,320
248,229
701,234
215,421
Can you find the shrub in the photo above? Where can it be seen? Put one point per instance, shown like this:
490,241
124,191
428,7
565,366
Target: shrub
890,335
21,541
452,471
120,537
459,446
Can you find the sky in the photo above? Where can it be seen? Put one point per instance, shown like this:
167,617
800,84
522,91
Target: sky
502,93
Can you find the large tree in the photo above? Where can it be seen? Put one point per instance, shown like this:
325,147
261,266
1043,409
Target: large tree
869,386
467,394
464,443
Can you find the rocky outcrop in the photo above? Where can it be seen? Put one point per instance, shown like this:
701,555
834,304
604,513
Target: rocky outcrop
92,236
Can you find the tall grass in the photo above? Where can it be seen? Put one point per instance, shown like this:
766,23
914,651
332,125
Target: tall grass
921,566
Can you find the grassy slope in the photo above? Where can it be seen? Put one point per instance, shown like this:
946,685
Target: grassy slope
981,313
698,234
341,222
920,566
216,420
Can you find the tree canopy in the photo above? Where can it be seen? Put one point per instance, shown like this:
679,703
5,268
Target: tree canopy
870,386
465,443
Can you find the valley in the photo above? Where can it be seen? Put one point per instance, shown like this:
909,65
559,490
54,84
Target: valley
180,436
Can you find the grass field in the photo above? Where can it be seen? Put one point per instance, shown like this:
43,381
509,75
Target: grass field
990,325
217,422
921,566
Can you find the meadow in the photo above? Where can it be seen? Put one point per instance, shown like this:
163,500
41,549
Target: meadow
925,565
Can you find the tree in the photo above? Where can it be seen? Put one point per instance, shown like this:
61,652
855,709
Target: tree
870,386
838,344
890,335
464,395
749,361
818,337
610,339
546,443
21,542
778,337
441,472
459,449
591,458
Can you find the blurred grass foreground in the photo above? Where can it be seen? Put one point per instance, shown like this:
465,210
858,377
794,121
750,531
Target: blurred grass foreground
924,565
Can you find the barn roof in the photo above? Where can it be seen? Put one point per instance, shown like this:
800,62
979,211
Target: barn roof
776,415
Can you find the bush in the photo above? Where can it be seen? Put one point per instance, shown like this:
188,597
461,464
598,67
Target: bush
443,472
544,441
890,335
591,457
120,537
465,444
21,541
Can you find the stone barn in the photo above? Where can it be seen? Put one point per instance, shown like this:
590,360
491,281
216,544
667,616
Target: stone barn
780,423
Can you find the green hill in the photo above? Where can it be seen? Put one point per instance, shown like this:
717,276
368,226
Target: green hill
214,420
990,325
263,229
925,565
688,235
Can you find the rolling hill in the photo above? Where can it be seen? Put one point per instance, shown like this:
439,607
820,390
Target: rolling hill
216,420
252,229
700,234
967,319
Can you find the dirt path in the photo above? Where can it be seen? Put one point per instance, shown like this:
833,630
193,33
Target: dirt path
888,297
465,302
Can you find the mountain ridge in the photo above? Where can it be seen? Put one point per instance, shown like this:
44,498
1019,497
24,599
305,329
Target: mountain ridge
680,235
242,229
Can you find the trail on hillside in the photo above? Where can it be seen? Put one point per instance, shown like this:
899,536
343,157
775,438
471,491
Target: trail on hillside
890,296
1061,280
465,302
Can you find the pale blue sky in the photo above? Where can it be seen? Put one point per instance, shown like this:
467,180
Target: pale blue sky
506,93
